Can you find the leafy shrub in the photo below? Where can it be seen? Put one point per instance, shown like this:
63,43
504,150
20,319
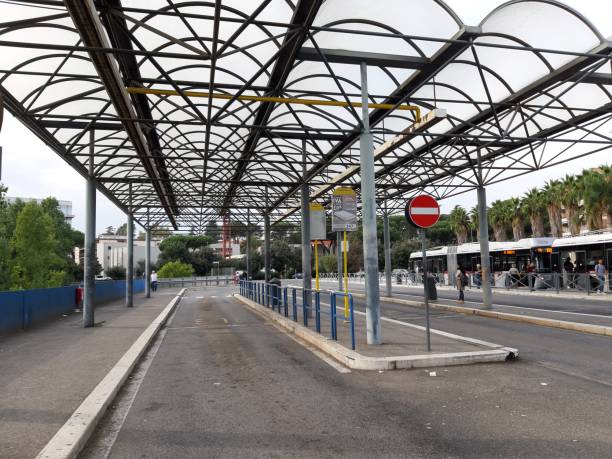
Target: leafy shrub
175,269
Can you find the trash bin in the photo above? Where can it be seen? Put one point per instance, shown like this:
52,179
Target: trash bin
430,285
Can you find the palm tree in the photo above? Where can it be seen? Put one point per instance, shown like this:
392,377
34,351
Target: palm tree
517,218
570,198
607,196
552,194
499,216
593,190
534,206
474,221
460,223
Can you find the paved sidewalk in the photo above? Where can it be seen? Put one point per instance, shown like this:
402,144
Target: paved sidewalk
46,372
549,293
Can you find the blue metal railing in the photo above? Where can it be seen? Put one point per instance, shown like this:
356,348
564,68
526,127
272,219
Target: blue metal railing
277,298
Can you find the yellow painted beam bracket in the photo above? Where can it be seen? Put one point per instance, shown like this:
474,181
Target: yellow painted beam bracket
277,100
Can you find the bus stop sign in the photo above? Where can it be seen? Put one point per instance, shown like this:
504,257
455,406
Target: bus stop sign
422,211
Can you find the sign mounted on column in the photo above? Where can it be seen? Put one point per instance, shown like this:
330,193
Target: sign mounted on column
317,222
344,209
422,211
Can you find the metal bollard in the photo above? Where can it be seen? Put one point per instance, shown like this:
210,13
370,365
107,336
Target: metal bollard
285,302
318,311
352,322
332,314
304,308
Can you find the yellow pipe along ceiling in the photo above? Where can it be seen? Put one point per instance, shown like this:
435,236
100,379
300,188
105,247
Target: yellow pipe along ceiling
277,100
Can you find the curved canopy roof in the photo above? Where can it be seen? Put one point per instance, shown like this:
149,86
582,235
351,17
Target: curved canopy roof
169,98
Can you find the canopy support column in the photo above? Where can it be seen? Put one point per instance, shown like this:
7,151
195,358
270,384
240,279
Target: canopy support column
387,240
129,271
483,224
340,255
306,263
266,217
248,246
148,258
89,260
368,199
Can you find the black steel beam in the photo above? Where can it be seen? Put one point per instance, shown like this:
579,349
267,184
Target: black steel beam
341,56
89,28
561,74
440,60
593,78
303,16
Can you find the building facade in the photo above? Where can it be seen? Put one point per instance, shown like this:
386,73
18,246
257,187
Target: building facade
112,251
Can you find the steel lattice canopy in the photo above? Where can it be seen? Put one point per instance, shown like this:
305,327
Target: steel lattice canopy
105,80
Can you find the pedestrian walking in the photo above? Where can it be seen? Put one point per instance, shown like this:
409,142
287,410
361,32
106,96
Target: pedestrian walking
478,276
154,281
568,270
600,272
460,281
514,275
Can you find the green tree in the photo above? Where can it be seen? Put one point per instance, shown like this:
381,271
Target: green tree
121,230
570,199
459,221
535,206
552,194
593,186
499,217
175,269
36,263
517,218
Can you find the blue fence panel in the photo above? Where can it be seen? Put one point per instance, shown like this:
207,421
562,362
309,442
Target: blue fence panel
11,311
41,305
24,308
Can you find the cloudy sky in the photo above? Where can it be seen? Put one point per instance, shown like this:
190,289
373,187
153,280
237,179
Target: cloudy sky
30,169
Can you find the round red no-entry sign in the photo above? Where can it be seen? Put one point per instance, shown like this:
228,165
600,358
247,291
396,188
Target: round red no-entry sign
422,211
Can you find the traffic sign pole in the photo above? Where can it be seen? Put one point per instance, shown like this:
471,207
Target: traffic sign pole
346,290
422,212
426,297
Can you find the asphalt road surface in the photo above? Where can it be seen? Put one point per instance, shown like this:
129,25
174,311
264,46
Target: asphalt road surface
600,306
222,382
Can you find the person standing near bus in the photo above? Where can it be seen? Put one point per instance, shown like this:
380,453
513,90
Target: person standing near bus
600,272
460,281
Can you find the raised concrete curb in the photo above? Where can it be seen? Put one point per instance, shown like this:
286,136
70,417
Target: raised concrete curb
356,361
534,320
72,436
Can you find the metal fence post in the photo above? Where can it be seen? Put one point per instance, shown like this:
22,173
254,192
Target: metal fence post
305,308
332,313
352,322
294,304
318,311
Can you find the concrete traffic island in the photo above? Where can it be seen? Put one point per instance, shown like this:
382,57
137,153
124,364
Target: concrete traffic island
528,317
403,347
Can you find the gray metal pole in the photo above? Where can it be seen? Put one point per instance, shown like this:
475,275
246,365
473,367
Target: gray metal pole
485,261
425,281
306,268
248,246
340,259
387,238
129,271
89,260
148,261
267,246
368,210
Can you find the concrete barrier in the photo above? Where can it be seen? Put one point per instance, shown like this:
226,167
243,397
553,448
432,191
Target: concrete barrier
73,435
356,361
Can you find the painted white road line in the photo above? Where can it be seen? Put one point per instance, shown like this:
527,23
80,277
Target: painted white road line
328,360
104,440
